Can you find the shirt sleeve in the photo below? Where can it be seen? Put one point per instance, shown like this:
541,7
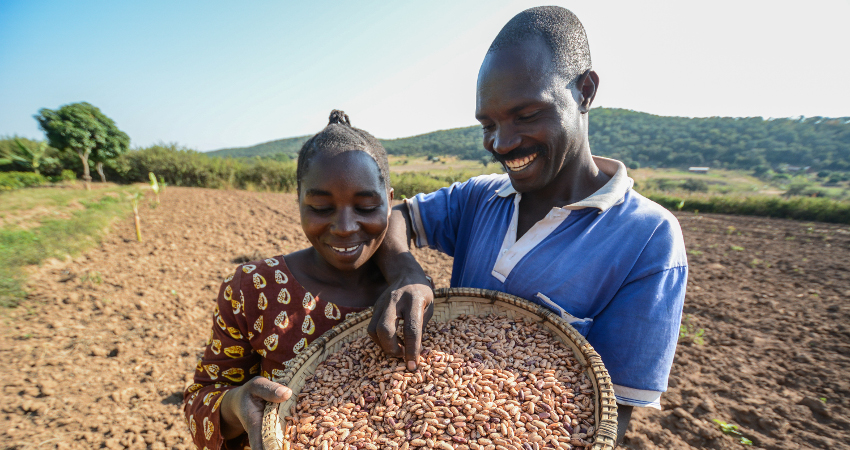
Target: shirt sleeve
436,217
228,362
636,335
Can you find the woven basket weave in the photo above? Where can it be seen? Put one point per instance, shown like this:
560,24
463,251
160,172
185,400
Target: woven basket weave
448,305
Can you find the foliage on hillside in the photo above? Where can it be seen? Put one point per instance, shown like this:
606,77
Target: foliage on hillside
465,143
642,139
721,142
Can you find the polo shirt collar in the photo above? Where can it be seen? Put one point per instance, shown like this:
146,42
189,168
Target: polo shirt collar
611,194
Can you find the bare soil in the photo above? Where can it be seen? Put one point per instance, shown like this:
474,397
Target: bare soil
100,352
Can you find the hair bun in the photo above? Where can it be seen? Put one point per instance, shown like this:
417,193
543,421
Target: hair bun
340,117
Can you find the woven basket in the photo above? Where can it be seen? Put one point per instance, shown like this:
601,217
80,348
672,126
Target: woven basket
449,304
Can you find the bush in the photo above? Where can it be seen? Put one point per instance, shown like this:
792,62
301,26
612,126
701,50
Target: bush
694,185
18,180
799,208
408,184
268,175
65,175
179,166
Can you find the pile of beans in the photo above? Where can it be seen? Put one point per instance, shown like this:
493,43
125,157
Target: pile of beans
483,383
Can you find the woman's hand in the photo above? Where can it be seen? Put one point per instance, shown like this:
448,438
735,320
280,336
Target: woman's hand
242,408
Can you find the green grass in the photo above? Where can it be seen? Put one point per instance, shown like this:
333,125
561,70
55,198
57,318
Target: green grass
73,221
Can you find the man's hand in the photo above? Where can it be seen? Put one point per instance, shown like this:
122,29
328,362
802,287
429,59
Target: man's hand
409,296
408,299
242,408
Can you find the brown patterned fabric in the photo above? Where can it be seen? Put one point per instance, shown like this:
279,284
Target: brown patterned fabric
263,318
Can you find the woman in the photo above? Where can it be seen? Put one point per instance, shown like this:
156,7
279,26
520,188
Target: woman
268,311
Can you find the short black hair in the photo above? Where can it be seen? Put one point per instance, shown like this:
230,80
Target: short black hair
339,137
561,31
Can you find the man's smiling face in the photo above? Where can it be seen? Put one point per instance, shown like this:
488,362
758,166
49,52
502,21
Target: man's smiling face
529,115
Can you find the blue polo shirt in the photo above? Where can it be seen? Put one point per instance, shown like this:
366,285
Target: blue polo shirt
613,265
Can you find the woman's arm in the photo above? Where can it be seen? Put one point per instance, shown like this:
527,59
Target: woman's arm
227,396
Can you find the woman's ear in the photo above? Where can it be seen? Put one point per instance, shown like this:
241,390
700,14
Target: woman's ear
390,197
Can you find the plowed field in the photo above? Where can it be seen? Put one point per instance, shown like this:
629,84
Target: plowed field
100,352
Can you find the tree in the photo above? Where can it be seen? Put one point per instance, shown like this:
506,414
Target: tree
82,128
116,143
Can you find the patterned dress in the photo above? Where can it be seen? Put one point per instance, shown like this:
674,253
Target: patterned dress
263,318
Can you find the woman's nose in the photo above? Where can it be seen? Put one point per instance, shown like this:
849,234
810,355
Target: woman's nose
345,222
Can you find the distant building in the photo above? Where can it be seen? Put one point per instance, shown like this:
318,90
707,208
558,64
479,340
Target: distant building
797,168
698,169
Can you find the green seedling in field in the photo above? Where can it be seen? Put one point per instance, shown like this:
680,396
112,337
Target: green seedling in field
728,428
154,186
736,248
694,252
688,332
93,277
823,399
680,205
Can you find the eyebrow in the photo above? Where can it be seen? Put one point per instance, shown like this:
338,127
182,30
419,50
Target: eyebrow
321,193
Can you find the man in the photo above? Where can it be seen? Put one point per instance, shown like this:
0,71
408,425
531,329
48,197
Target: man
562,228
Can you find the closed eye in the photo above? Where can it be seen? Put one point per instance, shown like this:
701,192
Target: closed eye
529,117
320,209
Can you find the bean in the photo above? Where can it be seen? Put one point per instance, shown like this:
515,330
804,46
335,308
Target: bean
484,383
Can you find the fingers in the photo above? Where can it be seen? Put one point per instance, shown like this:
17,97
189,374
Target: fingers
261,390
269,391
413,334
382,327
416,316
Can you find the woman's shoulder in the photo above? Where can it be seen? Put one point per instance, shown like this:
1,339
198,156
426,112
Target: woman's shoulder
268,276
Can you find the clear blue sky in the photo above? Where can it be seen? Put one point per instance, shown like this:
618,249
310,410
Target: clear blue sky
216,74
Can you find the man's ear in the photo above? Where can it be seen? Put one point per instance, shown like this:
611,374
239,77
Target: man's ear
390,198
587,85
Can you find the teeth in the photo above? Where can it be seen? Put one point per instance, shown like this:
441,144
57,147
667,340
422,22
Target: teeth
346,249
516,165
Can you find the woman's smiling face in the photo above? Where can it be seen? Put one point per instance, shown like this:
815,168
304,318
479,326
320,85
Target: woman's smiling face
345,207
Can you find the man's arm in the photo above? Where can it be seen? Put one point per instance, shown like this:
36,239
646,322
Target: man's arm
409,296
624,415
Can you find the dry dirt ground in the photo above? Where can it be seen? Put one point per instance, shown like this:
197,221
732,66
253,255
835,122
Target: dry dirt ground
100,352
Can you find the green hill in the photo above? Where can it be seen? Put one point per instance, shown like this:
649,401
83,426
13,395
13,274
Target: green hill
649,140
287,146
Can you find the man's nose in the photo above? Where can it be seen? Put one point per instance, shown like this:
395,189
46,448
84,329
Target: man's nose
345,222
506,139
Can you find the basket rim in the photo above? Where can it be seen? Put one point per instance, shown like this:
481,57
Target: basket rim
606,426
